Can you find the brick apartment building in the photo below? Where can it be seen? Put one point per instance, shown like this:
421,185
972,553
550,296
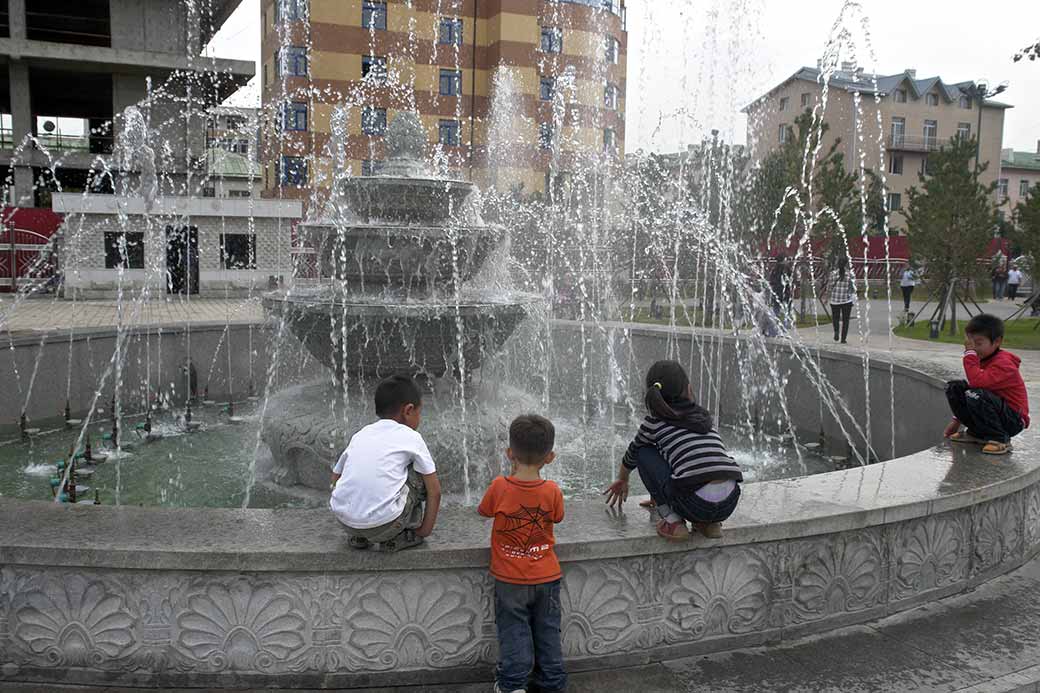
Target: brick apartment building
440,57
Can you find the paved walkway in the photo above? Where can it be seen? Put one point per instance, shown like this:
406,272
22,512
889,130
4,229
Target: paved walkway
986,641
46,314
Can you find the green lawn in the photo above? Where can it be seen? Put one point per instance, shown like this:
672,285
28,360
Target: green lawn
1018,334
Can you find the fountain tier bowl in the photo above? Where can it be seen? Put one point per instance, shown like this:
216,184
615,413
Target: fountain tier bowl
411,258
375,337
400,199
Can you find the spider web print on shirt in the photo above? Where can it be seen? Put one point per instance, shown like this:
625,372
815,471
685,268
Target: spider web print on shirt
524,530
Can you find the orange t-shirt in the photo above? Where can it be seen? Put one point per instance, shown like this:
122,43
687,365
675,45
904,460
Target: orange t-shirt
522,537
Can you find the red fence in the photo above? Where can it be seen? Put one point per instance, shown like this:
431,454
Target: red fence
27,254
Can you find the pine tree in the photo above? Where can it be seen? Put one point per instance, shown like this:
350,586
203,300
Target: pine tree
1027,227
951,217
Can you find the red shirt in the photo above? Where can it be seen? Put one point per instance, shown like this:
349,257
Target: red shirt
522,536
1000,375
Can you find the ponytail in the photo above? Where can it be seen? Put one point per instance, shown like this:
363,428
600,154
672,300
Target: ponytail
666,382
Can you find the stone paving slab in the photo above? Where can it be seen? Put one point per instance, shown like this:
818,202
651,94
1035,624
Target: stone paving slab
986,641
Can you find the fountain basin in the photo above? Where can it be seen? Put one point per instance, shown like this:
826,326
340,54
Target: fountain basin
276,598
384,336
407,200
405,257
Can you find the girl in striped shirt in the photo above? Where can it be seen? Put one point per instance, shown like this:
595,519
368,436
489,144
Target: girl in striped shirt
681,459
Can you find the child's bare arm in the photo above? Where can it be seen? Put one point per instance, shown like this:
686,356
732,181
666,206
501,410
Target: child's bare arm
433,504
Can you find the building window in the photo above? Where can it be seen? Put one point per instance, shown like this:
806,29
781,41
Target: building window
926,166
369,167
545,135
294,171
784,129
609,141
899,95
931,133
209,191
965,102
547,89
613,50
1002,189
806,100
895,164
450,33
1023,188
373,14
610,97
964,130
783,103
295,117
375,66
290,9
124,250
932,99
373,121
895,201
292,62
448,133
898,131
552,40
239,193
451,82
238,251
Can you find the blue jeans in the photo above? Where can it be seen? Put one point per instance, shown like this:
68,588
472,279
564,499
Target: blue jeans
656,474
528,622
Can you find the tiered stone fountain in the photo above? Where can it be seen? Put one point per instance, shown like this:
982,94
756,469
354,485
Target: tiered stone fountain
403,250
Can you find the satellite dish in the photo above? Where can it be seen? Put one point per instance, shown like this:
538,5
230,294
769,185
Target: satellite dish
48,125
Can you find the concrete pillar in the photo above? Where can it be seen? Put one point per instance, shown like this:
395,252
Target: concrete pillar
16,18
21,125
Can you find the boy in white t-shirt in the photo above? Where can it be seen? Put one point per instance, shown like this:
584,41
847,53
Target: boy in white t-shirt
386,473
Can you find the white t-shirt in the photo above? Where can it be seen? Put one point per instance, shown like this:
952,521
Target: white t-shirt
374,468
908,279
1014,277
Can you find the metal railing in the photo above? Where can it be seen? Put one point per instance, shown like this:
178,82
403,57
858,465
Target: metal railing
914,143
57,141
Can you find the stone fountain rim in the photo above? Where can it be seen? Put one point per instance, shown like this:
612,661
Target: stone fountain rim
43,533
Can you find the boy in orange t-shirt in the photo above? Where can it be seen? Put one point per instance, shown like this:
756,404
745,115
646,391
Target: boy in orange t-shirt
523,561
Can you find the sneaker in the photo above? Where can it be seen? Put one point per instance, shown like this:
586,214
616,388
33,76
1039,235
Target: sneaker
711,530
674,531
965,437
499,689
359,543
404,540
994,448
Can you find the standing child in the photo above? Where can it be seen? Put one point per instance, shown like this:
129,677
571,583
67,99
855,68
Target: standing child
681,459
386,473
907,282
992,404
523,561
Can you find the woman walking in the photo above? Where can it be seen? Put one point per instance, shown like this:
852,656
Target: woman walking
842,292
907,282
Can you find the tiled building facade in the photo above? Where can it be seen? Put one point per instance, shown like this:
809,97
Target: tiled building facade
443,58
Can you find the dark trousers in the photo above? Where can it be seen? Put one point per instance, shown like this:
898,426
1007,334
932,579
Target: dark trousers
1012,291
908,291
840,316
656,474
528,621
983,413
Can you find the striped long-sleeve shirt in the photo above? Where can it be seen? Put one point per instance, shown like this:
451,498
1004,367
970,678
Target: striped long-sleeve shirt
696,458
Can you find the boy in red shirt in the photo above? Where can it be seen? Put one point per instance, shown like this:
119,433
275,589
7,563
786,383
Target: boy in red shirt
523,562
992,404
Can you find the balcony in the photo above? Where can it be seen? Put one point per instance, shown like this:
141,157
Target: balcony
59,142
910,143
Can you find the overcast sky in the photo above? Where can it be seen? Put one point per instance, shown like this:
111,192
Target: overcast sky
694,63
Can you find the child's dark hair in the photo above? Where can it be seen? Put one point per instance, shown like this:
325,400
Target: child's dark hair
531,437
395,392
666,382
989,326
